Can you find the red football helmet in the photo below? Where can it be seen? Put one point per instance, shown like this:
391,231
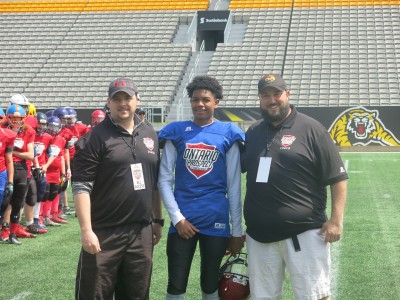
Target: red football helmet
233,281
31,121
97,117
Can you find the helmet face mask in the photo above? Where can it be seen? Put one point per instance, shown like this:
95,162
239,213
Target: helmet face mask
16,121
63,114
52,129
41,127
64,121
97,120
16,115
53,125
72,117
97,117
234,282
42,122
71,121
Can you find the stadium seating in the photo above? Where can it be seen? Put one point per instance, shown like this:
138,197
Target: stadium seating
99,5
330,56
70,58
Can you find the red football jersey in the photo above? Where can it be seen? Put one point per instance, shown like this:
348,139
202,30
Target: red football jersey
7,138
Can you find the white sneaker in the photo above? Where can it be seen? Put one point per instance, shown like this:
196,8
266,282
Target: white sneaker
48,222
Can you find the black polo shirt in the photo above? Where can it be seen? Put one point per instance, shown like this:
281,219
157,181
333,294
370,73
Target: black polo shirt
304,161
104,156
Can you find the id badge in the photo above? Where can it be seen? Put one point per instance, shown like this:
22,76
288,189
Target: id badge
39,148
18,143
72,141
264,167
137,176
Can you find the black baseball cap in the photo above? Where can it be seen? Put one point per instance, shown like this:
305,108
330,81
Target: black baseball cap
271,80
140,111
122,85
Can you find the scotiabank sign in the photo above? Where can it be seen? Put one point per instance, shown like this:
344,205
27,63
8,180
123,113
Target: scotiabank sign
212,20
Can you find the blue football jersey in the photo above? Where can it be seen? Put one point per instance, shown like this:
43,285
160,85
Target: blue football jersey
200,172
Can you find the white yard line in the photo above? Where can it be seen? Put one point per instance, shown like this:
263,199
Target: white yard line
368,152
21,296
335,257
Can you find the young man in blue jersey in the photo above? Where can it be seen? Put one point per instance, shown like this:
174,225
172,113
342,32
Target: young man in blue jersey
201,188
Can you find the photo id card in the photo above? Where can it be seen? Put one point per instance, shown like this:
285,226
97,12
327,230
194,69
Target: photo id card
18,143
263,169
137,176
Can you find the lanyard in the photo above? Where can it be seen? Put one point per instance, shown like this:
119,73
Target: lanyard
269,144
133,147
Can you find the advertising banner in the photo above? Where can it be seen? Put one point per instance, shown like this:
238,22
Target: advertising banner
212,19
348,126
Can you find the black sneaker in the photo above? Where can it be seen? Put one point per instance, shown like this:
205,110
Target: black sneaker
13,239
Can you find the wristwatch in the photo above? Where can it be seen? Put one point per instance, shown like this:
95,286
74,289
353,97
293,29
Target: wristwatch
159,221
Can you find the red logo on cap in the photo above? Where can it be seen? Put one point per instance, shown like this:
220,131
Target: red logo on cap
122,83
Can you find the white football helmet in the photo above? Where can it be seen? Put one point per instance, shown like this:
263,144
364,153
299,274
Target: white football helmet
19,99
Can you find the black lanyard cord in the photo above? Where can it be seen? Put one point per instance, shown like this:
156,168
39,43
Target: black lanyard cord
269,143
130,147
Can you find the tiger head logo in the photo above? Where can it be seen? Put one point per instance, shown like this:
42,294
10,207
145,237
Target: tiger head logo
361,127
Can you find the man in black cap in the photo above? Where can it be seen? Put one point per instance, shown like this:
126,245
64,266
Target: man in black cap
290,159
142,116
141,113
116,199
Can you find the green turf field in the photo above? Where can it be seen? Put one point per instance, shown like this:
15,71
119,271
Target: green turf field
366,262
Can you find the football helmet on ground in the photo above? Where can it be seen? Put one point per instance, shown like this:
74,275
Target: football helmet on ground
233,281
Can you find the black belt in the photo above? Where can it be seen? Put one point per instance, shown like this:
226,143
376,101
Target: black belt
296,243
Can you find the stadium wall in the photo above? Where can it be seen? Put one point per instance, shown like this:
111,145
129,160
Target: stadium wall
348,126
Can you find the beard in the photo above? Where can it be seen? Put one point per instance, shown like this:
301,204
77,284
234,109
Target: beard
279,117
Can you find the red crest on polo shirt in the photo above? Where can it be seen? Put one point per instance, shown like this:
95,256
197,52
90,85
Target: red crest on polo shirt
200,158
287,140
149,143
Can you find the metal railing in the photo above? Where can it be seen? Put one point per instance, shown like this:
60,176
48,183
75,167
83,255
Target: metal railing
228,29
181,105
191,33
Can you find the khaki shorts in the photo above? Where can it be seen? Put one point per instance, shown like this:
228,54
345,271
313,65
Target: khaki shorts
309,268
